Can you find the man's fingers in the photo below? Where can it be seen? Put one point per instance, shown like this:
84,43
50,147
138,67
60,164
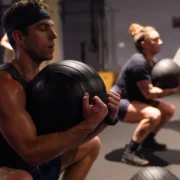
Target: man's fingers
97,101
113,101
113,107
85,101
114,94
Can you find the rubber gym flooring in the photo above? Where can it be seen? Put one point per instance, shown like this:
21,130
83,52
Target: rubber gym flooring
113,139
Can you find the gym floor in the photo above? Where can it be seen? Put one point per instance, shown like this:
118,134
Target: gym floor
108,165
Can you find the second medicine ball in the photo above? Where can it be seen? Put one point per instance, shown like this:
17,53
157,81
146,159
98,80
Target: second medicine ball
54,98
154,173
166,74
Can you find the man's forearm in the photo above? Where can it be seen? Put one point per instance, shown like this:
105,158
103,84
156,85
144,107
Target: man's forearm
167,92
158,93
47,147
96,132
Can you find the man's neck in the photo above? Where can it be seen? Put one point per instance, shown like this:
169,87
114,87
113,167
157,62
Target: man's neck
26,67
149,57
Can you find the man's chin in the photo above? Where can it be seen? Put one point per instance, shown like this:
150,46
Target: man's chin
48,58
157,51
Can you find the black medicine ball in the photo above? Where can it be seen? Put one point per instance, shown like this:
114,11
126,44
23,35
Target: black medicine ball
54,98
154,173
166,74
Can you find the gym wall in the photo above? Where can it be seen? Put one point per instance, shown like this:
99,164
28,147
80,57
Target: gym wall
121,14
83,31
79,39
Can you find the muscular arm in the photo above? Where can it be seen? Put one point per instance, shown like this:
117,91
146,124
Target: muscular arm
19,130
142,76
151,92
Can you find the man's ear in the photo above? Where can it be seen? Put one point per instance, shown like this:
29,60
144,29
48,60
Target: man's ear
142,43
18,37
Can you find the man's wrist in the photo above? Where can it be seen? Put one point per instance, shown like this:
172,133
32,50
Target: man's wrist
84,125
111,122
174,90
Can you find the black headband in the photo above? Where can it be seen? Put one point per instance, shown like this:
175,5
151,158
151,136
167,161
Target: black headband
25,17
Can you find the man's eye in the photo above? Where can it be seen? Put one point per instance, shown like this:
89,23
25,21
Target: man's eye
42,28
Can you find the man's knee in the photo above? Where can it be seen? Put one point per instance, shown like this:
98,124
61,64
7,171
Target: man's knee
167,111
170,110
21,175
13,174
155,116
95,147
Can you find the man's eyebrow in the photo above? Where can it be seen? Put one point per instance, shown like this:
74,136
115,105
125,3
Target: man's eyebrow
45,24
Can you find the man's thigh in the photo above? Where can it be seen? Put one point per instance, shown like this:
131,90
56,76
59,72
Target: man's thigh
166,108
135,111
15,174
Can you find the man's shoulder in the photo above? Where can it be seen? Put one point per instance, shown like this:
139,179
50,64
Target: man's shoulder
137,62
5,76
138,58
7,82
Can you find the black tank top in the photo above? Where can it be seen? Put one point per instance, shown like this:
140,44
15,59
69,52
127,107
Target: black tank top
8,157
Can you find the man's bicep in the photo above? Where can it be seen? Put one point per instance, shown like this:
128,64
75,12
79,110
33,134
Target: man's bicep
140,73
16,124
18,129
144,86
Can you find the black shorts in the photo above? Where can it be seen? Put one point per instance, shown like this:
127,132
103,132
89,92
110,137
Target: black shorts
47,171
124,104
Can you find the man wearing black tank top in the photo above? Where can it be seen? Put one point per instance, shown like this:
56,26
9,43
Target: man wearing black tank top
23,154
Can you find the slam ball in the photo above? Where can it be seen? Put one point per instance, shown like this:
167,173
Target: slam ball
54,97
154,173
165,74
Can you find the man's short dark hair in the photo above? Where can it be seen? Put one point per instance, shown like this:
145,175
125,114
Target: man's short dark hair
19,8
